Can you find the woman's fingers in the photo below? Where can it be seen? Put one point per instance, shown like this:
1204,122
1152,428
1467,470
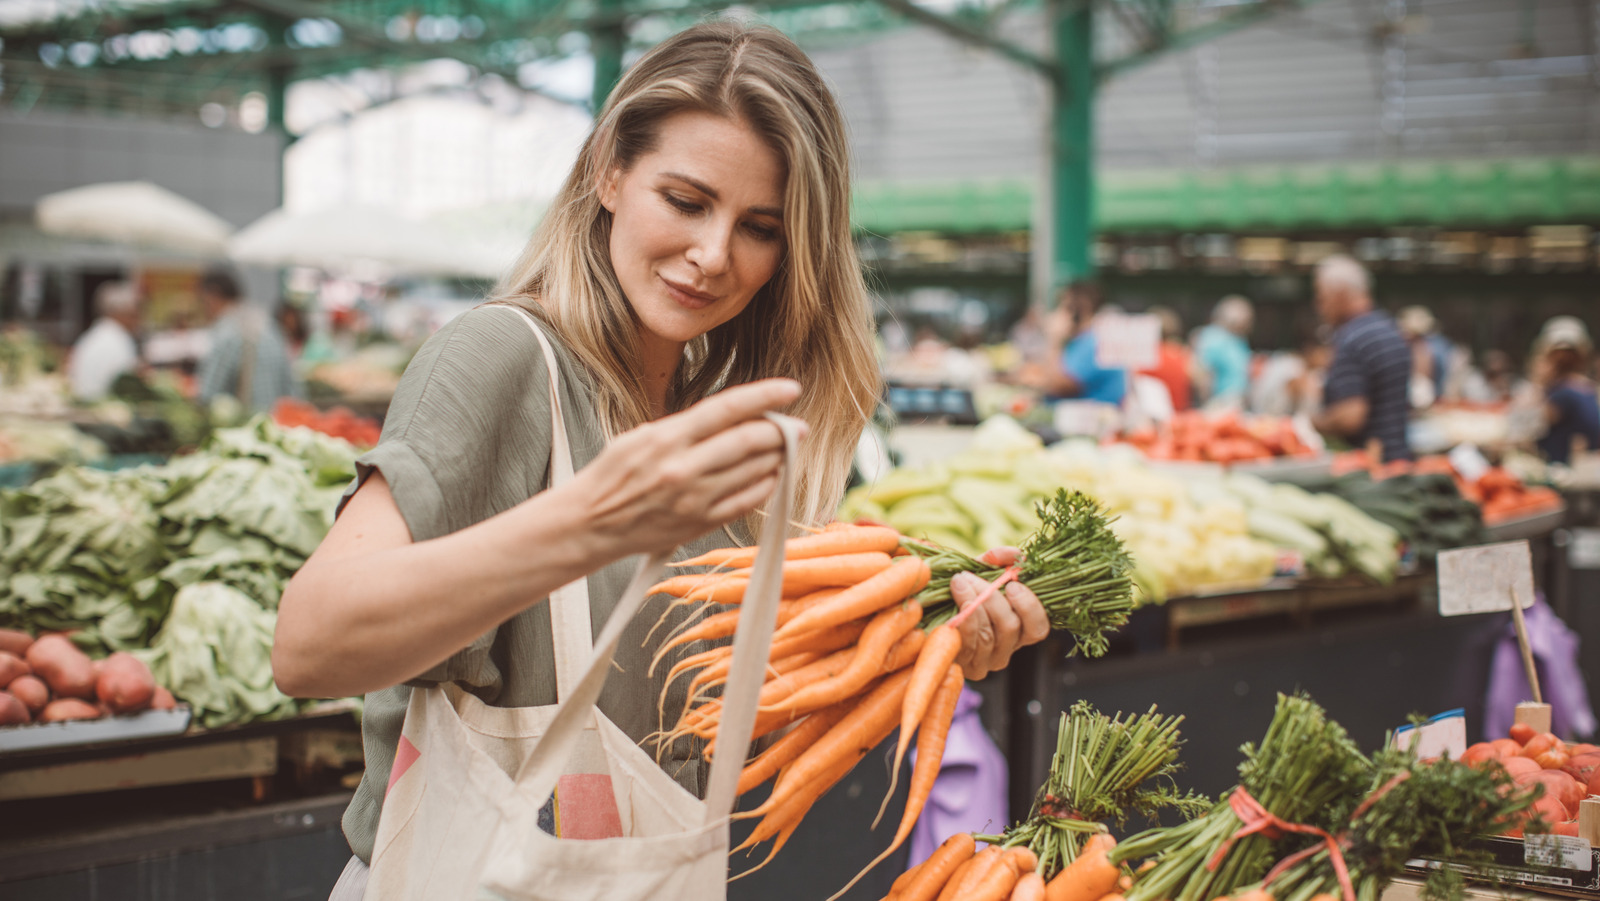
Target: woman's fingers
741,503
730,446
1007,629
1030,613
732,406
977,632
1000,556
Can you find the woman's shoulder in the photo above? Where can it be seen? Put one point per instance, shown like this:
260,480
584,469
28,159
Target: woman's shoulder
489,346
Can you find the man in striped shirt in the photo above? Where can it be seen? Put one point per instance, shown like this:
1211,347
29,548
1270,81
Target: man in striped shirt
1366,394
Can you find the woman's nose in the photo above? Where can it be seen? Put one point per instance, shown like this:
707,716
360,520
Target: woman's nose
712,248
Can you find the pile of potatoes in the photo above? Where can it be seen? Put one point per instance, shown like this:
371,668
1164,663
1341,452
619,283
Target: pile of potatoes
48,680
1569,772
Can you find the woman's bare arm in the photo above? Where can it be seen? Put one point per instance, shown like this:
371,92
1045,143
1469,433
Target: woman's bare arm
372,608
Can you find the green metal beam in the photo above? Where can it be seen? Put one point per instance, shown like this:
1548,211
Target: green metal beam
974,35
1072,146
607,36
1190,37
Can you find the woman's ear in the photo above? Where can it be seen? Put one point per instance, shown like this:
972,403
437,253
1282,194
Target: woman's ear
608,187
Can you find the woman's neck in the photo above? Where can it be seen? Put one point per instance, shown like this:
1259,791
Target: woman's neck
659,361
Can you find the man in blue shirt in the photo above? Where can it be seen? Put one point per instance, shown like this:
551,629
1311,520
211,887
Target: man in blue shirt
1366,395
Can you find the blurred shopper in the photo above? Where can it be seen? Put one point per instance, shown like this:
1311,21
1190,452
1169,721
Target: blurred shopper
1493,382
1560,367
1433,356
1366,393
695,272
1174,364
249,358
1223,349
107,349
1077,374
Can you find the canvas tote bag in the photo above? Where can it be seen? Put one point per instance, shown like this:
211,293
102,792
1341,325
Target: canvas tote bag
475,788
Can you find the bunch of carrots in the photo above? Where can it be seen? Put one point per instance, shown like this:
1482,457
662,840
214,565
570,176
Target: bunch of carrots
960,872
865,644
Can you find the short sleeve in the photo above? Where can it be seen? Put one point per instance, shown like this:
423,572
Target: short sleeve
1078,359
1347,376
467,436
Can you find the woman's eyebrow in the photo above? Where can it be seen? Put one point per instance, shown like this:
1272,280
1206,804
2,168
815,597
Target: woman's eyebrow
702,187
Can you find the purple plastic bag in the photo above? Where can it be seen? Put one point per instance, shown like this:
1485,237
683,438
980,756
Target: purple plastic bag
1555,653
970,792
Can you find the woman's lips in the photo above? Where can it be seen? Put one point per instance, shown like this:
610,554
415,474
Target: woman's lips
687,296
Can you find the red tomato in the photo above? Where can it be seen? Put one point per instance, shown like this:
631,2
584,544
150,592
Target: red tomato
1520,766
1521,733
1505,747
1478,753
1540,743
1552,759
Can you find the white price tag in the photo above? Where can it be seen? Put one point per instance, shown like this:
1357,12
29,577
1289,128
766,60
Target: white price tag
1483,579
1584,551
1444,734
1564,851
1468,462
1127,342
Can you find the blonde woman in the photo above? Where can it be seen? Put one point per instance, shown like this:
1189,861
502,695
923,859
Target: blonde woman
695,272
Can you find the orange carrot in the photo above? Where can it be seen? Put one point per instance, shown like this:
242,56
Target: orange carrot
868,723
1255,894
871,651
938,652
1089,878
935,872
905,577
996,882
827,640
904,879
726,622
948,891
932,732
1029,888
827,543
792,745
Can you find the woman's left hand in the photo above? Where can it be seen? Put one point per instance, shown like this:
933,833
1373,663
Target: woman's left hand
1011,618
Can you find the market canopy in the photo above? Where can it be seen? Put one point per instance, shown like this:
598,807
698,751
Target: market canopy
345,237
136,213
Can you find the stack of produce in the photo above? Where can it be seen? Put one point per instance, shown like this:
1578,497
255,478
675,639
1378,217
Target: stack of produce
1331,535
1569,773
105,555
1426,510
1226,437
339,421
49,680
1501,493
983,497
866,643
27,440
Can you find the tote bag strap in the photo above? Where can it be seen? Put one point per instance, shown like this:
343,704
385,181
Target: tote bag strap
753,640
570,624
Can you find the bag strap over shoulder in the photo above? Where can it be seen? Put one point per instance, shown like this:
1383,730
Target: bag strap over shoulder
570,623
752,642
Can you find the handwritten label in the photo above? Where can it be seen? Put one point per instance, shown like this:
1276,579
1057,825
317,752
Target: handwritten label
1444,734
1482,579
1127,342
1564,852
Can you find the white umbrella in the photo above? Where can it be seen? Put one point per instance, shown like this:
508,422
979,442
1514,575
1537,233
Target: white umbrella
135,213
343,237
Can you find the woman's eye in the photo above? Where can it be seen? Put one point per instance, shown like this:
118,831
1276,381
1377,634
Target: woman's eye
762,232
681,205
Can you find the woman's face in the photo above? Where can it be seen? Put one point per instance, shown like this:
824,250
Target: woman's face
697,226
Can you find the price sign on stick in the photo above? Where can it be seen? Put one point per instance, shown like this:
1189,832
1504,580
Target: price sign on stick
1126,342
1493,578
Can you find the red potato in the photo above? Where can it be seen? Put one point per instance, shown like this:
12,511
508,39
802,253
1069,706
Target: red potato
1582,767
67,670
1558,785
1478,753
162,699
64,709
31,691
12,667
1520,766
14,642
1568,828
12,711
1505,747
125,684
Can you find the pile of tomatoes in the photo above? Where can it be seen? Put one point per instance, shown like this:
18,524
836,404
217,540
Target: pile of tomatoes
1570,773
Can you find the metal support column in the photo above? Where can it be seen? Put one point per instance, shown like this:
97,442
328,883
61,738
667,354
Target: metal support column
606,39
1072,143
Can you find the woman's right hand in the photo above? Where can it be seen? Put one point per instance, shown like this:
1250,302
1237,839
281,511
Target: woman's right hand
670,481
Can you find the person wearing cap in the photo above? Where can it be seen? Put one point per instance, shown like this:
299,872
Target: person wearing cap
1560,359
1431,354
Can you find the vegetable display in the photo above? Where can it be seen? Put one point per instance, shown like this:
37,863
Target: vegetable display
104,555
338,421
1224,437
49,680
866,644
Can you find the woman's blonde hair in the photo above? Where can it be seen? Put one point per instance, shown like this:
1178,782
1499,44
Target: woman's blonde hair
812,322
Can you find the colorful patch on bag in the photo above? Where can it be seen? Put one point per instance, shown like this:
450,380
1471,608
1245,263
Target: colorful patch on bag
583,806
405,754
